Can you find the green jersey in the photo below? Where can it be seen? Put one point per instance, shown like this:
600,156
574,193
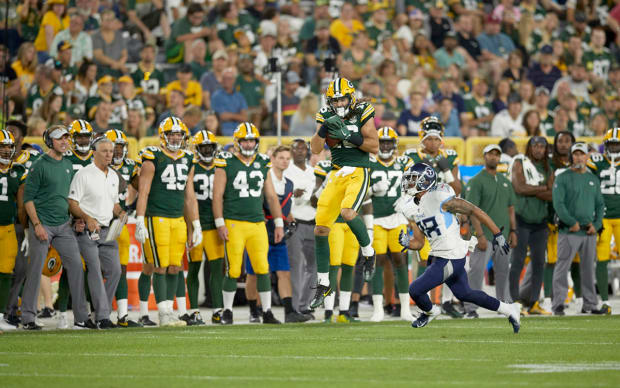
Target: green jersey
609,175
128,170
345,153
10,181
167,194
146,81
476,109
321,171
35,98
118,114
253,90
420,156
78,161
27,157
598,63
243,195
203,186
392,174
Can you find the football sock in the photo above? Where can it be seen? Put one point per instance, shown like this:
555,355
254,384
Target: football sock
144,287
215,282
446,294
548,279
402,279
321,250
171,285
344,301
265,300
159,288
144,308
404,302
576,276
288,304
504,309
121,309
354,305
346,279
63,292
601,280
121,289
377,302
377,281
5,288
361,233
193,283
181,306
229,288
330,300
180,285
252,303
333,277
263,285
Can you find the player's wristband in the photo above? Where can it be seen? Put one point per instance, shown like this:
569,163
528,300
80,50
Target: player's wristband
356,139
279,222
322,132
219,222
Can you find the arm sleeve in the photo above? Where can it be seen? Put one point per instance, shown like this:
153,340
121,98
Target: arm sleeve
559,201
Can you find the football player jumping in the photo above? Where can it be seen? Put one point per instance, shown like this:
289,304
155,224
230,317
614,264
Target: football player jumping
165,194
349,130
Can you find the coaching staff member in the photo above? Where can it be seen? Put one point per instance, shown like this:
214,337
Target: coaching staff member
45,201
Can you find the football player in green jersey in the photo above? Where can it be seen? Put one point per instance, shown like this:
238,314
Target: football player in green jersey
12,178
348,128
205,149
165,195
386,172
607,168
445,163
128,170
241,181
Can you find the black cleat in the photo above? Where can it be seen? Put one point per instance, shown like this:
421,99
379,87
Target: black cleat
396,311
145,320
329,316
14,320
125,322
449,309
268,318
559,311
319,297
46,313
216,318
472,315
31,326
295,317
227,317
195,319
368,268
105,324
254,317
353,310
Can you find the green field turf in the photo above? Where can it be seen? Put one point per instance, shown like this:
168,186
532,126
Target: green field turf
549,352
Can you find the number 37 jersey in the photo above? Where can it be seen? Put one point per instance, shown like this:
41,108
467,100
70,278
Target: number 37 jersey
243,195
167,194
440,227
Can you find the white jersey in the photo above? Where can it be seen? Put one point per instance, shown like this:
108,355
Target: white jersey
440,227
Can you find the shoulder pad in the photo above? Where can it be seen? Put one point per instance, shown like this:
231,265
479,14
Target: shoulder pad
189,153
149,152
262,156
403,159
325,163
23,157
224,155
372,159
410,151
596,157
450,152
130,162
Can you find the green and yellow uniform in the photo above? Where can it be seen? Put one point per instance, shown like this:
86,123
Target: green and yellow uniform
212,245
164,208
347,186
78,161
243,211
27,157
11,178
129,171
475,109
598,63
420,156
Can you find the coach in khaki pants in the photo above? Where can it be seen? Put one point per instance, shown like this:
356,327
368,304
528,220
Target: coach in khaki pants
45,201
94,198
578,201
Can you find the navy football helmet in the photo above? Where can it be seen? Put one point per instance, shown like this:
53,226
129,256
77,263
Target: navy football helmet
419,178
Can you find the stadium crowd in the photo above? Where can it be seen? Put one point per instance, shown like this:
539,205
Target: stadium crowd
136,69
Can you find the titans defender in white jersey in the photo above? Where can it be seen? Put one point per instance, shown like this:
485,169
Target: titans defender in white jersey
431,210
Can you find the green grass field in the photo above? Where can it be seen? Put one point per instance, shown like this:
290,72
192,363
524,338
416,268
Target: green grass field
549,352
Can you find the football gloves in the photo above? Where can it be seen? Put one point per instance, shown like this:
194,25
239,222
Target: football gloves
443,164
380,188
337,129
141,233
196,233
25,244
403,239
499,242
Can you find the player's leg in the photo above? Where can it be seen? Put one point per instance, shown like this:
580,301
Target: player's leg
110,269
8,247
349,258
566,251
432,277
380,245
457,281
310,271
603,253
19,276
477,263
402,272
144,289
37,252
279,262
175,278
258,250
122,290
517,261
552,257
238,232
538,246
215,256
251,292
336,247
90,254
358,286
157,252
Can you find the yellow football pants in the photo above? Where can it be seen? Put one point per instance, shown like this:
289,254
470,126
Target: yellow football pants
8,248
211,245
123,246
342,192
611,227
166,242
250,236
343,246
385,239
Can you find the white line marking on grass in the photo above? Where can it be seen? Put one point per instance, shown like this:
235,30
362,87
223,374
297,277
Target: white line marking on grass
3,365
565,367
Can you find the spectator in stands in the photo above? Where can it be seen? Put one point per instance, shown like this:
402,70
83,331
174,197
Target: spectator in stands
85,83
230,20
286,47
54,20
229,104
439,23
448,54
409,121
526,91
478,110
176,103
135,123
212,122
507,122
320,13
25,66
105,89
150,122
449,116
303,122
502,91
346,26
544,73
290,101
184,31
541,104
29,19
466,40
147,78
36,126
448,88
597,57
192,117
252,89
89,10
146,22
199,63
495,46
81,42
577,80
191,89
211,81
356,61
318,48
532,180
531,123
599,125
43,85
515,71
7,74
50,110
101,122
378,26
110,47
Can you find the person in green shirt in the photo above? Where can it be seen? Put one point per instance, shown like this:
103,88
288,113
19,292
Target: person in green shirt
184,32
492,193
45,201
598,59
251,88
578,201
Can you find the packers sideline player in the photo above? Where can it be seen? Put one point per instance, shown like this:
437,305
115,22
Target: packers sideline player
386,172
445,163
12,179
349,130
607,168
165,195
128,170
241,180
80,155
205,148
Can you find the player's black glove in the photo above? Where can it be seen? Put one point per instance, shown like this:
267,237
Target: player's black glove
337,129
443,164
499,242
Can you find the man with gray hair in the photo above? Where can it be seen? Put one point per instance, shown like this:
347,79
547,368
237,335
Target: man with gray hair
94,198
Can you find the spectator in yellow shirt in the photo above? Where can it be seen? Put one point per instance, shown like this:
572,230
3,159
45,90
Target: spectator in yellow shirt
25,66
54,20
343,29
184,82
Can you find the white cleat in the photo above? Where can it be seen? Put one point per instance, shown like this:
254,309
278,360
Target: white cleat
62,322
377,315
5,326
515,317
175,321
164,319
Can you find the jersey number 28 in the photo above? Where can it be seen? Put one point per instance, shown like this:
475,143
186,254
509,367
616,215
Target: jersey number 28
428,226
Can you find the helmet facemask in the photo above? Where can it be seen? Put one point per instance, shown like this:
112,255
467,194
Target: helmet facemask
82,148
7,151
206,152
341,111
176,145
415,182
247,152
386,148
612,149
120,153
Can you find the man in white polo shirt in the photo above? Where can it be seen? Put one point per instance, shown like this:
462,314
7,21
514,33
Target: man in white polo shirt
94,198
